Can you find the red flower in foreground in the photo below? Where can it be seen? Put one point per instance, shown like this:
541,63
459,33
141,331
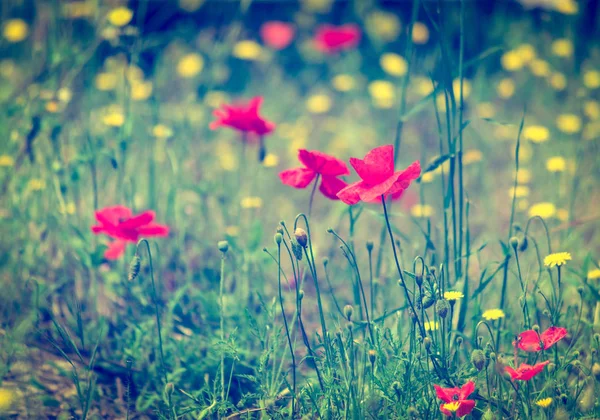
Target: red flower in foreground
331,39
243,117
376,171
455,399
277,35
119,223
525,372
317,163
532,341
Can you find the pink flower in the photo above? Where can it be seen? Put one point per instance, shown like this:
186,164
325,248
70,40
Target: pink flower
525,372
455,399
243,117
331,39
531,341
276,34
119,223
378,177
317,163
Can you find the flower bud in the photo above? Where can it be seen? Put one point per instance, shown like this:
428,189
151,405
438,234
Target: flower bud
419,280
478,359
169,389
442,307
348,310
300,294
301,237
535,328
427,342
134,267
459,341
596,371
279,229
514,242
223,246
297,249
372,356
325,261
369,246
278,238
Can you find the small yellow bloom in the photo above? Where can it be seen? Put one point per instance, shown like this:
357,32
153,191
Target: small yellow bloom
6,161
526,52
593,274
393,64
562,47
421,210
427,177
232,230
539,67
120,16
64,94
420,33
557,259
271,160
511,61
114,119
591,79
536,133
162,131
215,98
343,82
568,123
190,65
486,110
68,208
523,176
7,397
106,81
466,87
556,164
15,30
543,210
431,325
383,24
318,104
562,215
544,403
472,156
52,107
493,314
453,295
251,203
382,89
36,184
141,90
506,88
384,103
452,406
519,192
247,50
558,81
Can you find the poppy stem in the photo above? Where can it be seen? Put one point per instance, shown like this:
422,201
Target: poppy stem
312,195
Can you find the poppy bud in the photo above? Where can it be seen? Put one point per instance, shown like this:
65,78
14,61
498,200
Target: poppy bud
413,412
419,280
580,290
596,371
412,316
301,237
325,261
535,328
459,341
348,310
427,342
442,307
523,244
372,356
493,356
369,246
564,399
514,242
349,326
278,238
223,246
297,250
134,267
300,294
478,359
169,389
279,229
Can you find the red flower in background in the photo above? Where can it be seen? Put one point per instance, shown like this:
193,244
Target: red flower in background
455,399
119,223
378,177
525,372
531,340
331,39
317,163
243,117
276,34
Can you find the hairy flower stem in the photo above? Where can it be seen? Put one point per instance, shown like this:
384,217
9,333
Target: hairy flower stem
287,330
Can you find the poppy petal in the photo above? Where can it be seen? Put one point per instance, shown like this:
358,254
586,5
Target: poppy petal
383,188
466,390
322,163
154,230
112,215
405,177
137,221
351,194
465,407
330,186
115,250
552,335
297,177
445,394
377,166
529,341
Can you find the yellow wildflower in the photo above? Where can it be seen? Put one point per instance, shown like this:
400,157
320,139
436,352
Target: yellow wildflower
382,89
539,67
519,192
7,397
556,164
393,64
270,160
562,215
593,274
493,314
543,210
591,79
247,50
52,107
421,210
558,81
562,47
190,65
318,104
251,203
431,325
420,33
343,82
536,133
568,123
511,61
466,87
162,131
486,110
591,109
453,295
320,6
114,118
383,24
524,176
106,81
544,403
120,16
422,85
64,94
506,88
526,53
427,177
141,90
36,184
557,259
232,230
6,161
15,30
472,156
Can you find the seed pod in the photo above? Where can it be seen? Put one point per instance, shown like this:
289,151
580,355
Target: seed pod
369,246
278,238
514,242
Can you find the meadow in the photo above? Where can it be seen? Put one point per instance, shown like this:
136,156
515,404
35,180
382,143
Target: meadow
299,209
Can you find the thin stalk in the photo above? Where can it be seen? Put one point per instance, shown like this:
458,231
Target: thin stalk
222,323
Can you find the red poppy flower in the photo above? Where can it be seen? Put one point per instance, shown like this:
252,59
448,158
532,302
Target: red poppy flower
119,223
531,341
331,39
525,372
277,35
243,117
455,399
317,163
378,177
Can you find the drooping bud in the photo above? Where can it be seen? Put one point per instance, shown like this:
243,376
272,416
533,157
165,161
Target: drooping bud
419,280
372,356
279,229
442,307
348,310
596,371
223,246
523,244
300,294
478,359
369,246
301,237
134,267
514,242
427,342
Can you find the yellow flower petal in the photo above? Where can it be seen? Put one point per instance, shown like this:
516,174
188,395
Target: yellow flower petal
190,65
15,30
247,50
318,104
568,123
120,16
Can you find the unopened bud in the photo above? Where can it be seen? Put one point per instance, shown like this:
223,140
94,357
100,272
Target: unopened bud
301,237
514,242
535,328
223,246
300,294
169,389
427,342
419,280
523,244
478,359
369,246
297,249
372,356
459,341
551,367
279,229
348,310
596,371
442,307
134,267
278,238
